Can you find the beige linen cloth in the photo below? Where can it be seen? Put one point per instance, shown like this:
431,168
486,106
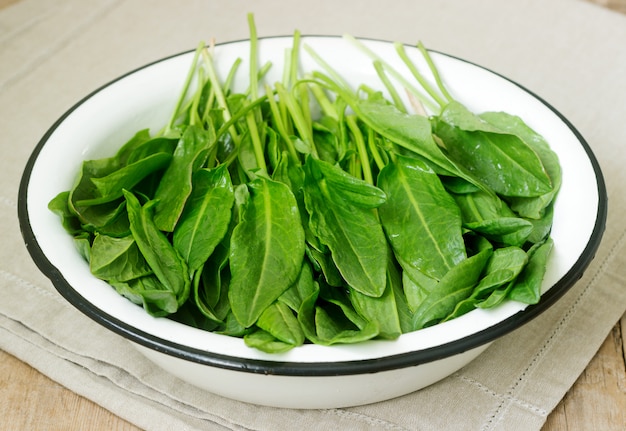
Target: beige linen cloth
570,52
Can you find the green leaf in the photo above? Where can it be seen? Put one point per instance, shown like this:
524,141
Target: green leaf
109,187
394,280
502,161
206,217
176,183
153,146
542,226
291,173
210,286
108,219
504,266
122,171
326,323
491,217
421,220
411,132
479,206
382,310
502,269
189,314
534,207
527,289
332,329
85,190
505,230
117,259
60,206
82,241
325,136
324,262
301,289
340,297
149,292
343,185
342,218
279,320
496,297
440,300
168,267
266,342
267,248
416,286
124,153
232,327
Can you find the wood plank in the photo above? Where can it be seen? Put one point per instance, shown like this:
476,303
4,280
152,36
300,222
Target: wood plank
598,398
616,5
32,401
5,3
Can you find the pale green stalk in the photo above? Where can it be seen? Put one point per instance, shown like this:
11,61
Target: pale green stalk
434,71
257,145
371,142
296,115
231,75
322,99
219,94
254,83
186,85
417,75
397,101
401,79
279,123
292,71
361,149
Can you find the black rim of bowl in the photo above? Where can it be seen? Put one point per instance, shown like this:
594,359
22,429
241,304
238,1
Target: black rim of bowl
315,368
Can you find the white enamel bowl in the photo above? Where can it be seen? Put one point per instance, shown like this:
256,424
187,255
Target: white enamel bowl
310,376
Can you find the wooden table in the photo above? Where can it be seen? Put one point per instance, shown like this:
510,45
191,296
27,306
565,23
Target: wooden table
31,401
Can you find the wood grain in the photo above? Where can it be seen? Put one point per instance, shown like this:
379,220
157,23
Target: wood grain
31,401
616,5
598,398
5,3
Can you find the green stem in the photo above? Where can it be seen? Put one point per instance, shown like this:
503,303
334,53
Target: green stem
279,123
194,118
397,101
337,78
254,83
361,149
257,145
219,95
322,99
303,91
209,103
405,83
434,71
286,69
231,75
371,143
187,83
306,134
417,75
292,75
228,125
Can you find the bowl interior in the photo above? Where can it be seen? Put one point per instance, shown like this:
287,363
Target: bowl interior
101,122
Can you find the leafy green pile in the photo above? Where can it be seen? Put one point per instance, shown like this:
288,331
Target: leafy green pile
249,216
